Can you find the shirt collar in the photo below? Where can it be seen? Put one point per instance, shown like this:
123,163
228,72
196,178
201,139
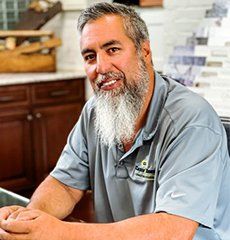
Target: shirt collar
156,106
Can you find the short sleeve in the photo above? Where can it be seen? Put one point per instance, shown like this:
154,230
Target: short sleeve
72,168
190,175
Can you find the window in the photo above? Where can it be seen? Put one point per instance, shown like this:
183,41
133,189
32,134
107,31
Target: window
10,12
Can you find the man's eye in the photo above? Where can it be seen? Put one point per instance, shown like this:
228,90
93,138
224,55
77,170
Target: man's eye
113,50
88,58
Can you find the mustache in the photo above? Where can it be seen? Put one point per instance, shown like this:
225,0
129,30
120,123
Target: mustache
109,75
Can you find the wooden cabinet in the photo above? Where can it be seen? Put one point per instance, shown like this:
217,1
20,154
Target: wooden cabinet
150,3
35,120
51,127
16,165
142,3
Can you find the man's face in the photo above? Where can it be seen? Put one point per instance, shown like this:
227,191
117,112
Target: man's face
119,76
110,56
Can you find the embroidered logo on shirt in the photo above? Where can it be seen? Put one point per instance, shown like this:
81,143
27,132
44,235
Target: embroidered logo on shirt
177,195
145,171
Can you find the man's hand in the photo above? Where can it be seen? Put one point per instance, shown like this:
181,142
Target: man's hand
10,212
32,224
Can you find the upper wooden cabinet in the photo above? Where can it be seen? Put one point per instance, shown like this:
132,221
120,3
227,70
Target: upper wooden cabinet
142,3
35,120
150,3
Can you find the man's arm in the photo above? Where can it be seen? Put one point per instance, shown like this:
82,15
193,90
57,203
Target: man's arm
55,198
51,196
58,200
159,226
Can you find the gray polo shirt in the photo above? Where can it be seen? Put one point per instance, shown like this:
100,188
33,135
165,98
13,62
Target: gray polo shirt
178,163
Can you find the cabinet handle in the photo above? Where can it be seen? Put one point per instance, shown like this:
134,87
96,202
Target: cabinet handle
38,115
29,117
59,93
6,99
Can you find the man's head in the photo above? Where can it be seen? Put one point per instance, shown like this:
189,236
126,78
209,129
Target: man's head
118,65
134,26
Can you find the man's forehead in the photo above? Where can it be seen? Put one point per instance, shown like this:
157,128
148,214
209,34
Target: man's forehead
103,30
106,24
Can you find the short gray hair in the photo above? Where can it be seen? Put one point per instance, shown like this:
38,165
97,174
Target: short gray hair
134,25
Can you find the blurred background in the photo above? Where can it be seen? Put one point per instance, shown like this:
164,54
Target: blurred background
43,86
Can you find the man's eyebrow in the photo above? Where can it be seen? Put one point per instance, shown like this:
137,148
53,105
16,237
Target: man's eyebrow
86,50
105,45
112,42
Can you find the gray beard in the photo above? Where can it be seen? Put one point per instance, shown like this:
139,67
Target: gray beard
118,110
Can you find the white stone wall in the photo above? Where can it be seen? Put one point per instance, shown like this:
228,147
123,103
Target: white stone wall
168,26
182,18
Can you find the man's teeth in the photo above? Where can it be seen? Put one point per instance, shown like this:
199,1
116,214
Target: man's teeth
109,83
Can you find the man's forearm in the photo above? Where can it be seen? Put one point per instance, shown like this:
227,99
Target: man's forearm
146,227
54,198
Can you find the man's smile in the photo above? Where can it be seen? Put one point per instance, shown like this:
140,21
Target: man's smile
109,81
109,84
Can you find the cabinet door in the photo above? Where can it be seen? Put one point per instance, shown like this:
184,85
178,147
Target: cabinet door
52,125
16,165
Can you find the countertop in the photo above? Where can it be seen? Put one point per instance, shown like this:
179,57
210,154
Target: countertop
21,78
218,97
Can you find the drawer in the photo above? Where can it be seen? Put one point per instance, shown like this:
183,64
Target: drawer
58,92
11,96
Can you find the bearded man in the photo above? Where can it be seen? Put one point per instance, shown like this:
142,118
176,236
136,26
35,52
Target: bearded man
153,153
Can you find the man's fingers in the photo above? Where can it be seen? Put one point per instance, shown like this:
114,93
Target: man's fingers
5,212
2,234
15,214
4,215
9,236
14,226
27,215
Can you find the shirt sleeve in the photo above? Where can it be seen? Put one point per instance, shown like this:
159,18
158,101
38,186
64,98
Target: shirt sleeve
72,168
190,175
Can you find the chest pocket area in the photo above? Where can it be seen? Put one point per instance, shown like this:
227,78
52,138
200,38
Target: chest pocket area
141,164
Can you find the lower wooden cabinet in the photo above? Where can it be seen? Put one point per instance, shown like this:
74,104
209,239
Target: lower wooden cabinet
16,156
51,127
34,129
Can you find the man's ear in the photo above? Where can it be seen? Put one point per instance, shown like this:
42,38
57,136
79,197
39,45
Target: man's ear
146,51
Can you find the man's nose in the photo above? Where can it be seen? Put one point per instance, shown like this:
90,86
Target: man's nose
103,64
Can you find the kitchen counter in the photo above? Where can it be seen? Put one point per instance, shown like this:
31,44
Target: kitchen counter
219,97
22,78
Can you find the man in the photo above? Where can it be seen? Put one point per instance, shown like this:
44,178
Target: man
153,153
